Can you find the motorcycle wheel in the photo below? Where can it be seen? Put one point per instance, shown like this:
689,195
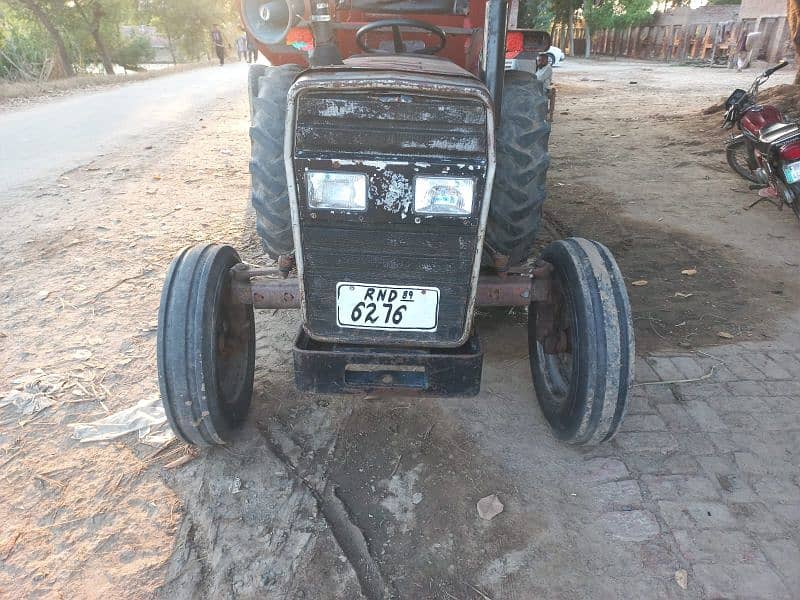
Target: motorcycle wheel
741,158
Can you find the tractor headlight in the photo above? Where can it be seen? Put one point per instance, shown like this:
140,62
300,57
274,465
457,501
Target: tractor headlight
444,195
336,190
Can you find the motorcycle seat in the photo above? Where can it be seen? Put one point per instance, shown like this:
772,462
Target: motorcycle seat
778,131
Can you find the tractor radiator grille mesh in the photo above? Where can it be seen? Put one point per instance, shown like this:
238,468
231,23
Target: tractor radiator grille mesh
390,124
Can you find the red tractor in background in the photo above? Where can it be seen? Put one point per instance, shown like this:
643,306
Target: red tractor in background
398,174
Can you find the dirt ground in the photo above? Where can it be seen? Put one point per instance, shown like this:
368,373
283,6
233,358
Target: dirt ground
332,497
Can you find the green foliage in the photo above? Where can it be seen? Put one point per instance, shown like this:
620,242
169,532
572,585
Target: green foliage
24,46
187,23
616,14
535,14
90,29
718,2
133,52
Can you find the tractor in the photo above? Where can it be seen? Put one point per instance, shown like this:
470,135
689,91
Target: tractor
398,174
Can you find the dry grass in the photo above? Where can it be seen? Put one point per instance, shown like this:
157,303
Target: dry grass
23,91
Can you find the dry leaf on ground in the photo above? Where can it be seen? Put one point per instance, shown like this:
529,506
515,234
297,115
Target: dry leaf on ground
682,578
489,507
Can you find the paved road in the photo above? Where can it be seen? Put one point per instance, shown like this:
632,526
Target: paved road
54,137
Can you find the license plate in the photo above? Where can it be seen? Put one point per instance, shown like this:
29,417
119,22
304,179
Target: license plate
386,307
792,172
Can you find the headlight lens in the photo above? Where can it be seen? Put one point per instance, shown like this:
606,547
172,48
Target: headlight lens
336,190
444,195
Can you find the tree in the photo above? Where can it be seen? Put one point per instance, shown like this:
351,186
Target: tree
41,14
564,12
535,14
186,23
93,12
793,11
613,14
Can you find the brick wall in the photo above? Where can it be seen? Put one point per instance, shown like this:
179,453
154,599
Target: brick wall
752,9
705,14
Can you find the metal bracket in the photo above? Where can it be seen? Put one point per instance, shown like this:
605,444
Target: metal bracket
266,288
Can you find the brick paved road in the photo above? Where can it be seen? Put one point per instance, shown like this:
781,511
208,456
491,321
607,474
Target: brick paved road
716,463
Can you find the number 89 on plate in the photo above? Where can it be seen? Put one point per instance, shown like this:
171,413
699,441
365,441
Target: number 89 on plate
386,307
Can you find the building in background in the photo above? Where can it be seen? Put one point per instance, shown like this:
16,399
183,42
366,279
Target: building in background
706,33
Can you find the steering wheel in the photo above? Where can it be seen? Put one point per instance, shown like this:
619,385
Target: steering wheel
399,46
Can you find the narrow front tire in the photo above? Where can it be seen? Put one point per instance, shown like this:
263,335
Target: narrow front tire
582,383
205,346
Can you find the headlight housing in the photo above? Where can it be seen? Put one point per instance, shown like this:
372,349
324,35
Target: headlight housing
336,190
442,195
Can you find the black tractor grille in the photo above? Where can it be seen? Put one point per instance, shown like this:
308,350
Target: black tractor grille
390,124
391,138
385,257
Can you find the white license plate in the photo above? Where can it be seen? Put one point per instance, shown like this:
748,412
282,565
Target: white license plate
387,307
792,172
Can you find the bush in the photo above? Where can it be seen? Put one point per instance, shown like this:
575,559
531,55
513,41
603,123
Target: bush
133,52
24,48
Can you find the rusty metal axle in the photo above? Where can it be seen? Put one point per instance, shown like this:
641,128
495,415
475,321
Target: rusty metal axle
254,286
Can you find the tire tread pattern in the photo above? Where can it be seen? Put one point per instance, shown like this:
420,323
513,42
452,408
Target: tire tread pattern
603,362
269,193
186,373
522,158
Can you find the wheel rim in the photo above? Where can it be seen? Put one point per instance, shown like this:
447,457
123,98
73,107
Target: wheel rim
559,370
551,60
231,350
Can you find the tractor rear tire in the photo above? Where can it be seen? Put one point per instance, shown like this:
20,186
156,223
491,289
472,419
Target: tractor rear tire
205,348
269,194
520,179
583,390
254,74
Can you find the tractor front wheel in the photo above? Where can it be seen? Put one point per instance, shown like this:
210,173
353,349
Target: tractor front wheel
581,344
205,347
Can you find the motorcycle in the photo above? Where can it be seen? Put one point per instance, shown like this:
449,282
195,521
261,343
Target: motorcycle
767,151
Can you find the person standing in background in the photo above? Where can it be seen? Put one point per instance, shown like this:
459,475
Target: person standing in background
241,48
219,44
252,49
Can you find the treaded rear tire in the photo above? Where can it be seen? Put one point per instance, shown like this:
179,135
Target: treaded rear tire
269,194
254,74
520,179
